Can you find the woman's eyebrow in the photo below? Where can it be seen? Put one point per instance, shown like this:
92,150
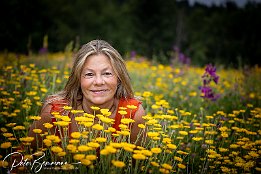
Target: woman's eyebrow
90,69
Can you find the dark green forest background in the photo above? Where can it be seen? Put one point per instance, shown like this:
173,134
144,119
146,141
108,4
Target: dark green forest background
225,34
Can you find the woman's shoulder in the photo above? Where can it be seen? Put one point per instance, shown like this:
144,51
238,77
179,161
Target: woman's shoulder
132,105
130,101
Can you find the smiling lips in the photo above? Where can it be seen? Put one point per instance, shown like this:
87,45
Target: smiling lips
99,91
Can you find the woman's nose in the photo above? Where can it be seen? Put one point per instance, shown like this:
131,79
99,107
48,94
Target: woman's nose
99,80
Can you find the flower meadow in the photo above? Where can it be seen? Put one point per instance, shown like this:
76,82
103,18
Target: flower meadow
198,120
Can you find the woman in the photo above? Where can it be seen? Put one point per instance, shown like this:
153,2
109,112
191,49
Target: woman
99,78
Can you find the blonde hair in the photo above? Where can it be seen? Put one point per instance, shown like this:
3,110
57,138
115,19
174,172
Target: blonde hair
72,91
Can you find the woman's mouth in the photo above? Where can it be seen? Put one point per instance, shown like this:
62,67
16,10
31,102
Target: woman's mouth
99,91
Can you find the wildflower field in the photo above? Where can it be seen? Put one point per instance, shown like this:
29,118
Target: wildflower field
198,120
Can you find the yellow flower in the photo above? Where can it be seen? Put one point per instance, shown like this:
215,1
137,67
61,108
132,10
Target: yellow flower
97,127
47,142
124,144
131,106
119,164
155,107
77,111
153,134
127,120
222,149
93,144
27,139
87,124
67,107
197,138
95,108
146,152
91,157
116,145
84,148
6,145
181,166
66,118
224,134
233,146
122,112
253,154
37,131
106,112
107,120
67,167
156,138
78,156
209,141
56,149
166,140
128,148
53,138
19,128
3,129
101,139
110,149
166,166
156,150
71,147
104,152
142,126
11,138
61,123
61,154
44,90
123,126
111,129
74,141
7,134
35,117
86,162
124,133
183,133
82,119
182,152
122,108
163,170
178,158
48,125
139,156
76,135
155,164
3,163
172,146
223,128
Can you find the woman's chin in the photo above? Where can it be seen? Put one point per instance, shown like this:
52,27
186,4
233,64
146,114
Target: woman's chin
98,102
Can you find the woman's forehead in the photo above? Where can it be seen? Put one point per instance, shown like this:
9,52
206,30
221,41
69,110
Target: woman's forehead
97,62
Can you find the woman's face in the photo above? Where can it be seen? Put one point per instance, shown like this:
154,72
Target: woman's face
98,81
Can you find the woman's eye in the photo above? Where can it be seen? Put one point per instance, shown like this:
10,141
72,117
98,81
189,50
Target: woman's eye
108,74
88,75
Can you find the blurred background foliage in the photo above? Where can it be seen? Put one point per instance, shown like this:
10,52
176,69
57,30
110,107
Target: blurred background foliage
227,35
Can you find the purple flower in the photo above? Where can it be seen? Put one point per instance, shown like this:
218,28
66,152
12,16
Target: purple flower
208,93
43,50
133,54
184,59
208,76
210,71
